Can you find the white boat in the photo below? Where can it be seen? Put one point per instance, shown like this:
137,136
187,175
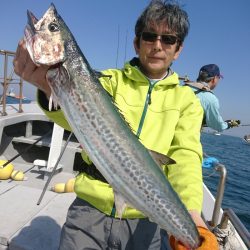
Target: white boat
217,133
246,139
26,225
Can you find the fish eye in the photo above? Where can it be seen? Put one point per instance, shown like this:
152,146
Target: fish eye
53,27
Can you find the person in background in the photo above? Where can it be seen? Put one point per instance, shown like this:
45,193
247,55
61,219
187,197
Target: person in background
208,78
164,115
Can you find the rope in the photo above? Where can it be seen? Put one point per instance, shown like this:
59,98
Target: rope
222,236
226,238
207,176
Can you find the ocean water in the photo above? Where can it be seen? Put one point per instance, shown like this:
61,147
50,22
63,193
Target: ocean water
235,155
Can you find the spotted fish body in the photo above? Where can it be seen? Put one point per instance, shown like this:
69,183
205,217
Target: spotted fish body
105,136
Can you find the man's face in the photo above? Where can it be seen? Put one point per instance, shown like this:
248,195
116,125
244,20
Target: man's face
156,57
214,82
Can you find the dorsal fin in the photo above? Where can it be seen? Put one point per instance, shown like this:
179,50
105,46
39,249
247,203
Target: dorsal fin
99,74
161,159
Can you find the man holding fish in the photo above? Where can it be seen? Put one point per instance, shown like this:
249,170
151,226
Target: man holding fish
120,190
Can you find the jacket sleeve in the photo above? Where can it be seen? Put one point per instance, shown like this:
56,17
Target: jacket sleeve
57,116
212,114
186,175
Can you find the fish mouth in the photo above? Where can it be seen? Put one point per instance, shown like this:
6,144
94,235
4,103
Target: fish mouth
29,33
32,20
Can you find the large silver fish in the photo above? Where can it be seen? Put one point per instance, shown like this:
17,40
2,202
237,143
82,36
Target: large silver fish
126,164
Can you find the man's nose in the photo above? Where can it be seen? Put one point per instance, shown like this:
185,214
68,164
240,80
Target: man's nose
158,44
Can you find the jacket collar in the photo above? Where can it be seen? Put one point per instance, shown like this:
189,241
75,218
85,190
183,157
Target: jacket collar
132,71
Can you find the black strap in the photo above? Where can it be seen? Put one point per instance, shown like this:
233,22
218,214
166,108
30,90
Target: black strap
199,90
91,170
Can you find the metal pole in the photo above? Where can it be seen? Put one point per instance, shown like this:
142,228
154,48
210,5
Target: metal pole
5,86
3,52
53,170
220,192
229,214
7,81
20,95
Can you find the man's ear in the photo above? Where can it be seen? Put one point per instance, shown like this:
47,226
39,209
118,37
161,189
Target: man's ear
214,79
137,44
177,53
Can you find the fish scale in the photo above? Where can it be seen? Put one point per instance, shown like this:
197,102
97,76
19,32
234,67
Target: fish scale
105,136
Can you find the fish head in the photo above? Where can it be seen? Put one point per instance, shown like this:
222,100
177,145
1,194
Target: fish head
44,38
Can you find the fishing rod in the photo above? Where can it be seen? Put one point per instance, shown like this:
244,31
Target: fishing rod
53,170
240,125
26,149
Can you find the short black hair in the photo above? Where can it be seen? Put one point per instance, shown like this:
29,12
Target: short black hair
164,12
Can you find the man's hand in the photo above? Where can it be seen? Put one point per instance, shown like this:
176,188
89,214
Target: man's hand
30,72
208,241
232,123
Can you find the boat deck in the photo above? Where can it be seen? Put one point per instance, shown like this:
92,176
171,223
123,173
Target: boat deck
22,219
24,225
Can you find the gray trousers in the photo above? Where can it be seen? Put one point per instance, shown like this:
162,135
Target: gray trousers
88,228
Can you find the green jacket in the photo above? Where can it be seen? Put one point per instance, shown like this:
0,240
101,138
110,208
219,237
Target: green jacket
167,118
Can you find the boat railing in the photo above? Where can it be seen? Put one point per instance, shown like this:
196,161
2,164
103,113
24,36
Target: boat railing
229,214
220,193
6,80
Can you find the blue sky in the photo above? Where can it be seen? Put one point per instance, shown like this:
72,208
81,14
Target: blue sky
219,33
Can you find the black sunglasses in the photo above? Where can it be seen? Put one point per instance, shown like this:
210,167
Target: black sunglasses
152,37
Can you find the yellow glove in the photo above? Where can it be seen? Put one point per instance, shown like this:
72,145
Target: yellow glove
208,241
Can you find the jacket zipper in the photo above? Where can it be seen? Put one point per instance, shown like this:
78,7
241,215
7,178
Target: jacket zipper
147,102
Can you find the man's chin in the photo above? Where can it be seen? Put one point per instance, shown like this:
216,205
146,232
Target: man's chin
157,73
156,68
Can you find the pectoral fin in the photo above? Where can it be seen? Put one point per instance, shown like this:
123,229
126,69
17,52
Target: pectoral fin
161,159
120,204
99,74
